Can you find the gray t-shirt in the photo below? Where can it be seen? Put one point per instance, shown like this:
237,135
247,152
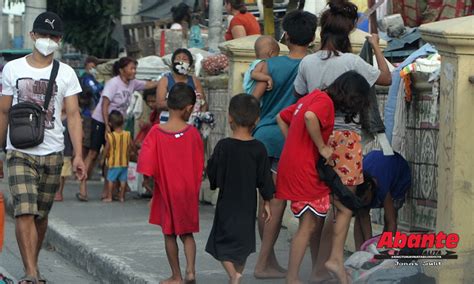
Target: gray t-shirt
316,72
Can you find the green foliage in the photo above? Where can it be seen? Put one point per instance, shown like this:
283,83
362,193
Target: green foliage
89,24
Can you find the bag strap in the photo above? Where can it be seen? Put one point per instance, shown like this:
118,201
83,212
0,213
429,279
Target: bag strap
52,79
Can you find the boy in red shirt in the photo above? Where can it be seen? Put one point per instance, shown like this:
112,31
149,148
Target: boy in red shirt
307,126
173,154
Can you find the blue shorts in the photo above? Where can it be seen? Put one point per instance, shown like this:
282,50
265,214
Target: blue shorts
117,174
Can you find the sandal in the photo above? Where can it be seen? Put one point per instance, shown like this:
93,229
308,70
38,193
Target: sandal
41,280
28,280
81,198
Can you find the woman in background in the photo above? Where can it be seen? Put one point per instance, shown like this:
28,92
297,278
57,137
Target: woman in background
243,23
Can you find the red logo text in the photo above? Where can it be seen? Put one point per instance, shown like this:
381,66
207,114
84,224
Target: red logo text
418,240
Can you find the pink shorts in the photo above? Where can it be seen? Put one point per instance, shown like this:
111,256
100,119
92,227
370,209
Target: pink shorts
319,207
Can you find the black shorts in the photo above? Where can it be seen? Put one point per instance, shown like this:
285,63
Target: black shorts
97,135
86,128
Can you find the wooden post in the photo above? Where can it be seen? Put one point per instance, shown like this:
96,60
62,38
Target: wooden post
268,20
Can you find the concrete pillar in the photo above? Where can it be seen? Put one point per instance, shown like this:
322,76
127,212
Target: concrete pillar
454,40
129,10
215,24
32,9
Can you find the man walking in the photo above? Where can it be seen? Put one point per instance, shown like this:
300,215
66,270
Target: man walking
34,173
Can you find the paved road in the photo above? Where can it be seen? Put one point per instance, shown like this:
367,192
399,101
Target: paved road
54,267
115,242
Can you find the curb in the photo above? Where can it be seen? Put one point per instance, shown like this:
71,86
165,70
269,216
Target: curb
106,268
67,242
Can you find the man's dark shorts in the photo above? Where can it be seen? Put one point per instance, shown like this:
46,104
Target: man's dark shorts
33,182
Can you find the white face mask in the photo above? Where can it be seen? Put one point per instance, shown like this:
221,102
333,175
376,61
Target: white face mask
46,46
181,67
93,72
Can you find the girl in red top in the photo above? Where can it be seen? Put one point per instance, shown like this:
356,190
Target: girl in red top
243,23
173,154
307,126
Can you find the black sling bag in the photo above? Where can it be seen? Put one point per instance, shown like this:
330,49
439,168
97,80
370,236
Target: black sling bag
27,119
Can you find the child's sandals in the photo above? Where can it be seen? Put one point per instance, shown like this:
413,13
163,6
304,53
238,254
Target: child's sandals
28,280
41,279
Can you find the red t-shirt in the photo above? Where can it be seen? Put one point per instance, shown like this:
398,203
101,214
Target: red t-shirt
247,20
175,160
297,178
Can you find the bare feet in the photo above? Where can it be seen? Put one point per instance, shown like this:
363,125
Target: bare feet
338,271
278,267
329,279
107,200
58,197
320,277
235,279
172,280
190,278
323,281
293,281
269,273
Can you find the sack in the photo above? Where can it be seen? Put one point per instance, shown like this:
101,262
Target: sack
132,178
331,178
26,119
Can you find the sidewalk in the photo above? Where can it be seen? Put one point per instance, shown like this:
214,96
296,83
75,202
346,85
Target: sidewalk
115,243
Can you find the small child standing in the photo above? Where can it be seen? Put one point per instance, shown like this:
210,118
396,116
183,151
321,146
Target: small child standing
118,146
307,126
173,154
265,47
237,167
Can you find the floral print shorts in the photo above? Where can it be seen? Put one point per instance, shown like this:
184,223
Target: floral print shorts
347,156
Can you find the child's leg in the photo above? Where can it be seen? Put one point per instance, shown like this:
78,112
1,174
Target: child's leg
59,193
233,271
89,163
271,230
335,263
390,214
309,226
358,234
319,272
123,186
171,247
314,245
239,267
108,194
362,227
105,190
272,261
190,253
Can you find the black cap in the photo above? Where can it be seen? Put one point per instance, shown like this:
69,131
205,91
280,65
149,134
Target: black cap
48,23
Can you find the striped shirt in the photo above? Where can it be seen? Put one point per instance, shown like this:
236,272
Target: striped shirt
119,149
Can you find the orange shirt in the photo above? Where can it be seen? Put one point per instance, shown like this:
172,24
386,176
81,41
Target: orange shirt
247,20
